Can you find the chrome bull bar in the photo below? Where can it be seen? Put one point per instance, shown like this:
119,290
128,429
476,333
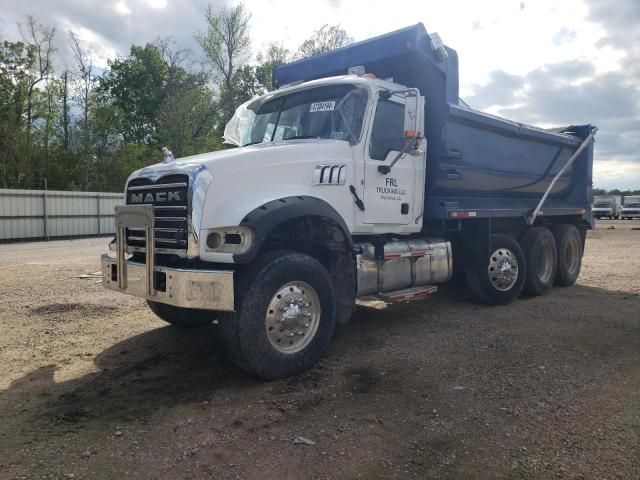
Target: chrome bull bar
135,216
180,287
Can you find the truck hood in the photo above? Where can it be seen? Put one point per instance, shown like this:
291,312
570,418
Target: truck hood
248,158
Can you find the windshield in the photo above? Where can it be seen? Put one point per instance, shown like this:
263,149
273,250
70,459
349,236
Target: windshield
602,205
632,205
330,112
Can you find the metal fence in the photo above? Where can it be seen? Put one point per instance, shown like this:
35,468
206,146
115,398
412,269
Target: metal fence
45,214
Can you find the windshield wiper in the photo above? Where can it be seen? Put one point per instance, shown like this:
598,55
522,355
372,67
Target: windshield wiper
299,137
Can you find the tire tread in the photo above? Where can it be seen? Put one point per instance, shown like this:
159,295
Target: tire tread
561,233
529,241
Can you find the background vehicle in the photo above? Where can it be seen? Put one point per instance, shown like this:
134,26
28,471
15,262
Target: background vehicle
607,206
631,207
362,174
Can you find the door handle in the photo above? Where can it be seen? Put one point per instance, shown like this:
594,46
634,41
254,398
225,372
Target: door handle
453,174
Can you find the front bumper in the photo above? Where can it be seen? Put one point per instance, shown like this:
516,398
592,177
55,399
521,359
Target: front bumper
202,289
602,213
631,214
185,288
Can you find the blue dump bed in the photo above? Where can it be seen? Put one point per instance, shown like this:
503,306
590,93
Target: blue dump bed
475,162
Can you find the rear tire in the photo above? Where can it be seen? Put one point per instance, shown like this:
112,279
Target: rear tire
541,255
181,317
569,247
285,318
498,279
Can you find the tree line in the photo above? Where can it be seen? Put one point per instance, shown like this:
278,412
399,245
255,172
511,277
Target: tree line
85,128
615,191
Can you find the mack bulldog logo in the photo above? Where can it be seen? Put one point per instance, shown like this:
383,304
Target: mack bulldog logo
157,197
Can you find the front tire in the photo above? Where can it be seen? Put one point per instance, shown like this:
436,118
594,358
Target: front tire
285,318
498,279
181,317
569,246
539,248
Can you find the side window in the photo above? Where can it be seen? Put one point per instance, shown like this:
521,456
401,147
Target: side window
388,130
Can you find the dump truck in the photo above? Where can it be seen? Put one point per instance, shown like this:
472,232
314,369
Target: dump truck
630,207
608,206
361,174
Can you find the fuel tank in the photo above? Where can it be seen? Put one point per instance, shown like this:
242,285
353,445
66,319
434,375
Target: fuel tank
403,264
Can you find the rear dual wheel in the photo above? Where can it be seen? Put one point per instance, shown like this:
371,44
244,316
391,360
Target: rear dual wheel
541,259
499,279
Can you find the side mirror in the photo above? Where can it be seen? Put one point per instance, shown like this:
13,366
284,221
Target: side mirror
419,147
413,115
413,126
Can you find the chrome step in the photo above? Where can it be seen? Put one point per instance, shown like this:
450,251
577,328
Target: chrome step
408,294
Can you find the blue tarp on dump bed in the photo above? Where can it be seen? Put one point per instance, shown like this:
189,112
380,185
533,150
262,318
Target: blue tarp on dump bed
475,161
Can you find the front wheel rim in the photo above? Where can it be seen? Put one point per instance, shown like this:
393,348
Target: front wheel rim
503,269
293,317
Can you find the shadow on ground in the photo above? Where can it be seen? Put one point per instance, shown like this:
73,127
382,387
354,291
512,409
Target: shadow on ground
137,376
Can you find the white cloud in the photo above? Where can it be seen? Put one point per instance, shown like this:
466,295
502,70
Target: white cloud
157,3
616,174
122,9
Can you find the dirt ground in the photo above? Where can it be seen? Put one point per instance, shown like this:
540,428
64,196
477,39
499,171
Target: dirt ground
93,386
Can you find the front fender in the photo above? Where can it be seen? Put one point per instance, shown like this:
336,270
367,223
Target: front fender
266,217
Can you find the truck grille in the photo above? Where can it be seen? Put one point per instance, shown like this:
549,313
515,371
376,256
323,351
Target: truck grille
168,195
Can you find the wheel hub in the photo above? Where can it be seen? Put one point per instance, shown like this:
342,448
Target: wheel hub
293,316
503,269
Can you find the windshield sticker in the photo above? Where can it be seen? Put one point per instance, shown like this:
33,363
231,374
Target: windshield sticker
322,107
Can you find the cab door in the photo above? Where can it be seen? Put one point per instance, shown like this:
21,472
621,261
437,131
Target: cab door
389,198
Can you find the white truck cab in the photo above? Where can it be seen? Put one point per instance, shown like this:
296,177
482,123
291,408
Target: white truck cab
631,207
335,133
608,206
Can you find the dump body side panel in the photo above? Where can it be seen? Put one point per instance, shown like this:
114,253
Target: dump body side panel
496,167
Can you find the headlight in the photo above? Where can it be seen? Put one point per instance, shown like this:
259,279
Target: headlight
229,239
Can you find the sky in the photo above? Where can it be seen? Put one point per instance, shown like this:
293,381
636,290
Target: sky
544,62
